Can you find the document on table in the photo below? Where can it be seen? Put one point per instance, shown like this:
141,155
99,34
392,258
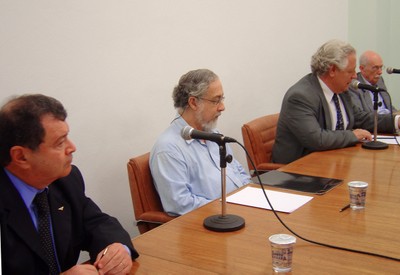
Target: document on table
281,201
388,139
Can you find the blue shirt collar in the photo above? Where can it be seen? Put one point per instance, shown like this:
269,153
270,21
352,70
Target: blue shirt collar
26,191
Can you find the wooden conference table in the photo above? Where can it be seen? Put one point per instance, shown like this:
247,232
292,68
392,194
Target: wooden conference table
184,246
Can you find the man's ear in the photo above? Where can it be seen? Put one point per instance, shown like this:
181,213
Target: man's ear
18,155
332,70
193,103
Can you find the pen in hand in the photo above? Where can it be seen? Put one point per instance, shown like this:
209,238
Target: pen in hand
344,208
104,253
101,257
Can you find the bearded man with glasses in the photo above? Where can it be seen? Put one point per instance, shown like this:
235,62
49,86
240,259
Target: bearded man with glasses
187,173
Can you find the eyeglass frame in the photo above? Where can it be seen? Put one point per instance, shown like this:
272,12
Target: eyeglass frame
215,102
377,68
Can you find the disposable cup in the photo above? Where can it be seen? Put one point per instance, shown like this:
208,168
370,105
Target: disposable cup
358,193
282,252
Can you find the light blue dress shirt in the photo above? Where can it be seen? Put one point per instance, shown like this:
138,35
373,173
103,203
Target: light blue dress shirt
187,173
27,193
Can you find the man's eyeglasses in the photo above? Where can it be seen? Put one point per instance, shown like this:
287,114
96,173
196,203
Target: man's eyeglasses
376,68
214,101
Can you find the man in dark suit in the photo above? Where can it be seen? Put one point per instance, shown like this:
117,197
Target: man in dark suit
371,66
35,157
317,113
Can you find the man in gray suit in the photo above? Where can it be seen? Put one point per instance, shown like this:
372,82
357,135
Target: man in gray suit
317,113
371,66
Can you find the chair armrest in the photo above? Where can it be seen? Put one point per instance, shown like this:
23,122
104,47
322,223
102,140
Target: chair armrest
155,217
267,166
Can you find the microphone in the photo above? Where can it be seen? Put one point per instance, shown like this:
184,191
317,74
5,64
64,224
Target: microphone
357,85
390,70
222,222
191,133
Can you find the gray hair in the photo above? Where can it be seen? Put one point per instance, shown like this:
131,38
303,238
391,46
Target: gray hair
194,83
333,52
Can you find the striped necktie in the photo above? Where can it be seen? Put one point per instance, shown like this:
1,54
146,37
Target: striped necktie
339,116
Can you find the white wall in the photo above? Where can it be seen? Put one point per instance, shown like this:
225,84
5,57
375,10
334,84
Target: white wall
113,64
374,25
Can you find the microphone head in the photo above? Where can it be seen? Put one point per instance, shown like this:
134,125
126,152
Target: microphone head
354,84
389,70
186,132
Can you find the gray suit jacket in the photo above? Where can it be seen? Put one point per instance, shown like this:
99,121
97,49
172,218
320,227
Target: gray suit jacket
362,97
305,125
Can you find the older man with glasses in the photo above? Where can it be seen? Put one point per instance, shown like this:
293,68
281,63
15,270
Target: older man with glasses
187,173
371,67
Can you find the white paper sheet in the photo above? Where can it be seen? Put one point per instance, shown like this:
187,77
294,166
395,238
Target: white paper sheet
281,201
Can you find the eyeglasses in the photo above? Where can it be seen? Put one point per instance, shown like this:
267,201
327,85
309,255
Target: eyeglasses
214,101
376,68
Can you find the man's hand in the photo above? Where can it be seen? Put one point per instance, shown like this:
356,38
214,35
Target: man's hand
114,259
362,135
82,269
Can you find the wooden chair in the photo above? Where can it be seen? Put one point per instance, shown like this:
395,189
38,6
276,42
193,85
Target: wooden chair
259,138
147,206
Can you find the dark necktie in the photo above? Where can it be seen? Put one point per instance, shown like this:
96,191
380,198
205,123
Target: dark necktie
43,210
339,116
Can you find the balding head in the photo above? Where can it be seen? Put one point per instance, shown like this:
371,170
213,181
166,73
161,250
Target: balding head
371,66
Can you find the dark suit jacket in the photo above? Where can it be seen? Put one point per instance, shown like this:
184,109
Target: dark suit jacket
362,98
305,125
78,224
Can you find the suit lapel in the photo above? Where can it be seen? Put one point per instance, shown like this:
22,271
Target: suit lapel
367,100
17,216
326,112
365,97
386,100
385,95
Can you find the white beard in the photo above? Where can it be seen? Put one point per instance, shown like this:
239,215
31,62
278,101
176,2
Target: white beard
206,126
210,126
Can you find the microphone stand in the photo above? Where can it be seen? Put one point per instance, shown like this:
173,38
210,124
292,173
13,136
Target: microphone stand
224,222
375,145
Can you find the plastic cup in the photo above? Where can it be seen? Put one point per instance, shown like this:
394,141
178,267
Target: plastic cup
358,193
282,252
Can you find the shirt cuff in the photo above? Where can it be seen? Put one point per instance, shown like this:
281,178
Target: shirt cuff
127,249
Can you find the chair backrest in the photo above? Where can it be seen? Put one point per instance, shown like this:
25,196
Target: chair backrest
147,205
259,138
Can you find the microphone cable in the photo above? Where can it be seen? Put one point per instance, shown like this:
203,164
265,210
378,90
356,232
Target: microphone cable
301,237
